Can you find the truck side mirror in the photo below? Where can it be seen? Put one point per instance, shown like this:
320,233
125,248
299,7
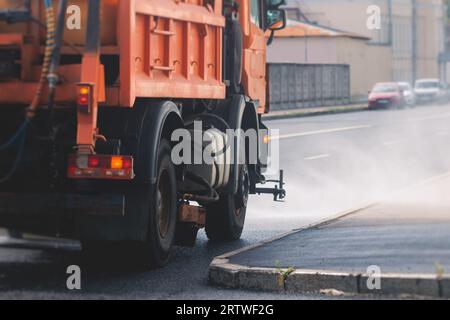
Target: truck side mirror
276,19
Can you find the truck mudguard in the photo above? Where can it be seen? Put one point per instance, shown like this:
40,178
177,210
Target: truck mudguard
152,122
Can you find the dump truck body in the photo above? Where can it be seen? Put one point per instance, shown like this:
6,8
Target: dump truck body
165,49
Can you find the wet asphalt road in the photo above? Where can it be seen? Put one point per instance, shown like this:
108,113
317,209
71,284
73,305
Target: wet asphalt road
407,233
333,163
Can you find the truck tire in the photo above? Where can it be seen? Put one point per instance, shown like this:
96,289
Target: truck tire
225,219
158,202
162,211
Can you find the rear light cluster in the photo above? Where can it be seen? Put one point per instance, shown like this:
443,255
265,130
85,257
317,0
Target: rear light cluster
84,98
100,167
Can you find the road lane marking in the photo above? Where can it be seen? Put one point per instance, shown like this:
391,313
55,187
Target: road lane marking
321,156
334,130
316,132
391,143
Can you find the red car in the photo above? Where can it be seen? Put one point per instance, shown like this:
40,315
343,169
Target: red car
386,95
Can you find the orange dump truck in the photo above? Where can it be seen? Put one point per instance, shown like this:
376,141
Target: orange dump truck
92,94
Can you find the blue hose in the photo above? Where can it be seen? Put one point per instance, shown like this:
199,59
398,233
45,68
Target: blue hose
16,136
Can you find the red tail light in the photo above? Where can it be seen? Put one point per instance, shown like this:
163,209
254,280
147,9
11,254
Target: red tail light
100,167
85,96
127,163
93,161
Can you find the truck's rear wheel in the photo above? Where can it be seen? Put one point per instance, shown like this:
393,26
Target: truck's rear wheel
225,219
157,202
162,212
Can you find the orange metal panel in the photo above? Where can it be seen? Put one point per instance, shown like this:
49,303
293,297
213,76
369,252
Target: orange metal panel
254,68
16,92
170,49
182,10
11,39
167,48
23,92
72,36
78,36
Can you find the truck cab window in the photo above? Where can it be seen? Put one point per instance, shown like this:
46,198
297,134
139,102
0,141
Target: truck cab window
256,13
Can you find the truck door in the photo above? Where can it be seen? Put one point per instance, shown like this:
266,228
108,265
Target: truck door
255,43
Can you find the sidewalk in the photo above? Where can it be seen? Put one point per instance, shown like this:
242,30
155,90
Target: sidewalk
406,236
307,112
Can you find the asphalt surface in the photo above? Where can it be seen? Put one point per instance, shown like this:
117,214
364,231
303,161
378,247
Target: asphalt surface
408,233
332,162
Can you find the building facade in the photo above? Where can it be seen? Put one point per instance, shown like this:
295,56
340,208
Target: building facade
414,30
304,43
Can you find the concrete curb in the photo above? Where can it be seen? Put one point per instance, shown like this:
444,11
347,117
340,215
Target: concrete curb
225,274
309,112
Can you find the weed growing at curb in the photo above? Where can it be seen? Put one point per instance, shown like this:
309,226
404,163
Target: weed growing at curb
440,270
283,274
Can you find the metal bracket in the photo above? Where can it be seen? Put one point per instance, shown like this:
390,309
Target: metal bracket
279,193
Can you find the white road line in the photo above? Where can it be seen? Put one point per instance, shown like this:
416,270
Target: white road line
311,133
391,143
333,130
321,156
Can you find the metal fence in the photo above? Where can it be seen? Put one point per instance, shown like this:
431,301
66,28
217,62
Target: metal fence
295,86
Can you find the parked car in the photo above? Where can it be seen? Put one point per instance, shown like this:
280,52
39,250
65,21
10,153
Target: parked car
386,95
431,90
408,93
